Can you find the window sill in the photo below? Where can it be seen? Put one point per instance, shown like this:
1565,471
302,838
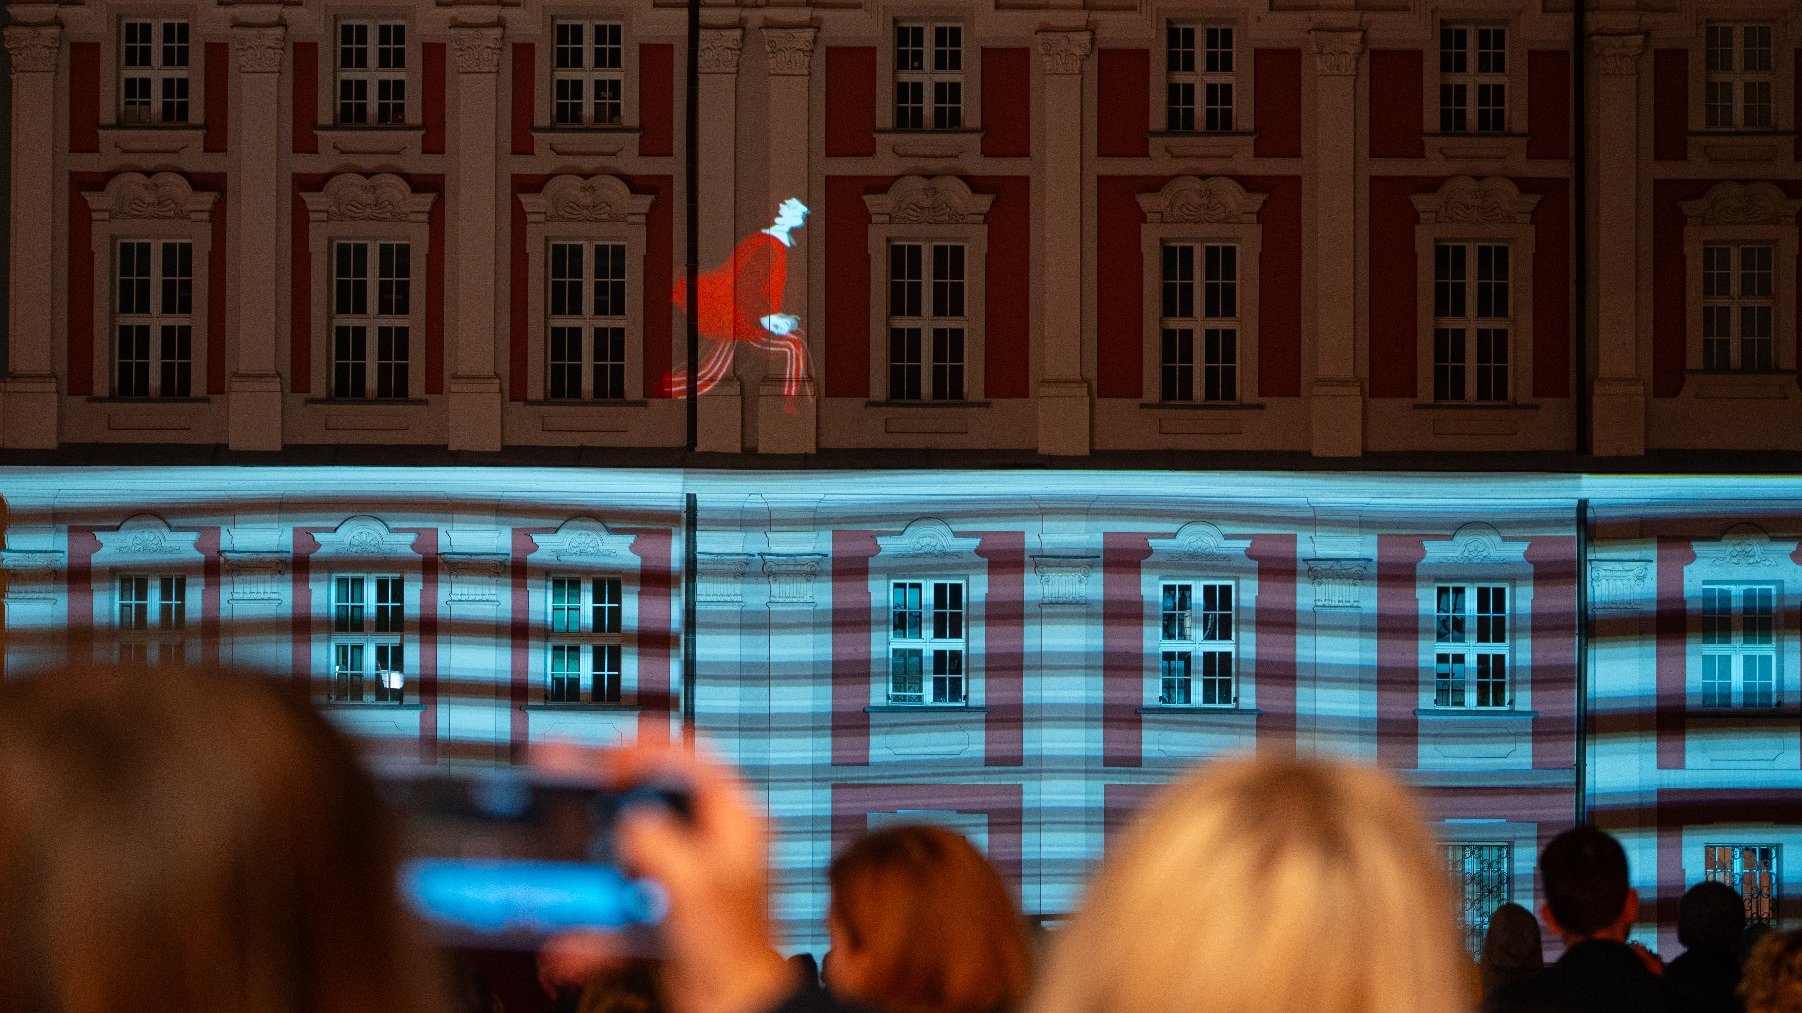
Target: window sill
926,404
588,403
1203,144
942,145
142,401
1477,147
1476,406
1485,713
577,139
624,706
1729,145
371,402
1781,712
1764,385
1202,406
151,138
356,139
1198,709
922,708
348,705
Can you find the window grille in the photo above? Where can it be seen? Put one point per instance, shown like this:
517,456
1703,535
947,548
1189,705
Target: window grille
1473,79
1198,67
1738,305
1738,77
1483,876
381,73
152,619
926,642
1751,870
1469,305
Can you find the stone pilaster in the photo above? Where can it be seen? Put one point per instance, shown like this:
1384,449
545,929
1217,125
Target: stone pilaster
721,418
1337,397
254,391
782,427
475,383
1063,392
30,389
1618,424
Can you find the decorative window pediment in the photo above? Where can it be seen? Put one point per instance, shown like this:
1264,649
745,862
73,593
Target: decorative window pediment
585,541
385,197
145,540
1733,203
594,199
916,200
929,542
1475,543
1200,542
1464,200
1188,200
166,196
364,537
1742,547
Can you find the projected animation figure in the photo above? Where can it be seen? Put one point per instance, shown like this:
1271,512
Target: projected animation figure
741,302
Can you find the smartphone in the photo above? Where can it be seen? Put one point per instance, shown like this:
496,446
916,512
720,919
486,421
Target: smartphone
505,858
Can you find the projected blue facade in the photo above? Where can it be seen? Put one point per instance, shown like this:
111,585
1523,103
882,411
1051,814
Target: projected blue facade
1024,656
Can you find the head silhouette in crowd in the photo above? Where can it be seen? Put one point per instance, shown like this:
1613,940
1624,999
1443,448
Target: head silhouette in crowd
1773,978
1586,891
196,841
1711,916
1266,886
1512,949
922,923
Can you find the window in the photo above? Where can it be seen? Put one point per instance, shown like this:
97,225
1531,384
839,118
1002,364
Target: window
1738,304
153,619
361,72
927,322
1214,317
1195,643
153,319
1470,646
1473,79
1470,304
368,622
153,73
1751,869
929,76
587,74
587,325
1739,645
926,635
360,367
1738,81
583,648
1206,76
1481,873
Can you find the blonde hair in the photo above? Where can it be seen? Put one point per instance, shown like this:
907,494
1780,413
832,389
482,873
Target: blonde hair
1266,886
1772,982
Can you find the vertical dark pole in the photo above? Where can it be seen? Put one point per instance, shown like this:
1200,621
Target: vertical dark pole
1582,617
1579,170
690,574
691,187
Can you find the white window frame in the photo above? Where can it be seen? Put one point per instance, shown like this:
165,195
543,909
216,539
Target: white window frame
1476,555
1738,215
1199,554
1737,638
1462,613
169,70
1227,216
1208,369
591,210
1471,211
585,550
1477,74
587,75
941,210
160,323
930,77
373,75
152,629
1738,79
1743,556
589,325
1736,264
939,285
938,638
592,632
385,262
359,595
1477,263
1200,72
925,552
1194,636
143,546
366,547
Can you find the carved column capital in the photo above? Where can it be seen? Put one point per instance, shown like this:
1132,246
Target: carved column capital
258,48
719,50
476,48
1618,54
790,50
34,48
1064,52
791,577
1336,52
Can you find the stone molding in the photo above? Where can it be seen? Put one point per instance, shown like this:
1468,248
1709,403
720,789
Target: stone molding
592,199
34,48
719,50
1463,200
916,200
384,197
476,48
1064,52
789,50
259,48
1336,52
166,196
1733,203
1617,54
1188,200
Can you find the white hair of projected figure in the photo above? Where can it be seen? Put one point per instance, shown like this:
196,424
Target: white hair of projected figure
1266,886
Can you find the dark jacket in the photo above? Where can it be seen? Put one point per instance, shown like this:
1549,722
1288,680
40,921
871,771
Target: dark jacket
817,1000
1595,976
1703,980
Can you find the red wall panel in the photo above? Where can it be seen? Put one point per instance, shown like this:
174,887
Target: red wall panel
1123,90
84,96
656,99
656,634
432,102
1276,630
848,284
218,96
1398,643
851,632
1396,104
1552,362
1554,561
1277,73
525,69
217,298
1006,102
1670,104
1797,92
300,293
850,100
1119,321
1548,103
434,286
80,290
1393,326
1007,317
1279,286
306,97
1004,649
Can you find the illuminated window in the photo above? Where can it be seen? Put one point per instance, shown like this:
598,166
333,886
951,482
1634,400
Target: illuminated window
1473,79
1739,77
1196,644
583,642
1199,77
371,337
153,319
1751,870
1739,645
1738,307
927,322
367,640
1471,321
587,73
587,321
153,619
1200,300
153,73
372,73
929,76
1470,646
1482,875
926,642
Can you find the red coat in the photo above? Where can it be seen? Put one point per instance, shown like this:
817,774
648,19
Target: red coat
739,293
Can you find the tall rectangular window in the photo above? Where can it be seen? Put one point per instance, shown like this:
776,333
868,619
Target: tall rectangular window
1473,79
1738,306
1199,77
587,73
1472,321
367,639
929,76
152,619
1470,646
584,643
1483,876
153,73
1196,645
587,325
926,642
1200,300
371,319
927,321
372,73
153,319
1738,78
1739,645
1751,870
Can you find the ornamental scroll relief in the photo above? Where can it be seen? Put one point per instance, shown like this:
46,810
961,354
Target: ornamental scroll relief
165,196
916,200
594,199
349,197
1187,200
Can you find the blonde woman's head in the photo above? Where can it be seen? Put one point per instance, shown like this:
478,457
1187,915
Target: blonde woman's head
1266,886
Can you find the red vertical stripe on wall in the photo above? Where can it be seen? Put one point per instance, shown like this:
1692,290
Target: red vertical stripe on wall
82,337
1004,651
851,631
1007,314
218,96
1552,362
848,285
1670,104
850,100
519,642
432,102
1275,634
1671,634
217,299
656,99
1554,672
1277,74
1279,286
425,545
84,96
525,73
1119,315
300,621
1393,327
1396,104
1548,103
1006,102
211,572
659,277
306,96
1796,91
79,580
519,270
434,284
1398,647
1670,297
300,297
656,635
1123,652
1123,91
